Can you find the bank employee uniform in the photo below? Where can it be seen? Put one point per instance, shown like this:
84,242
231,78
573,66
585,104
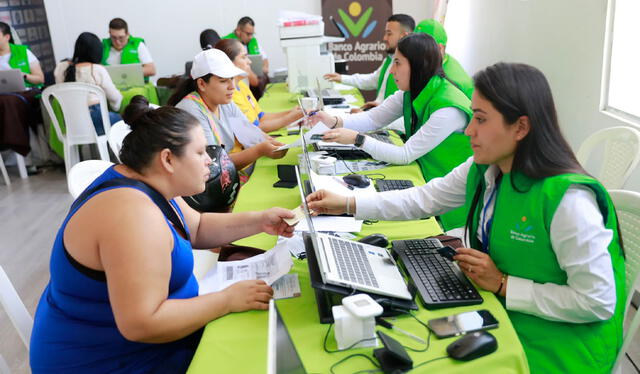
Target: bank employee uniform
247,103
134,52
19,57
380,80
436,141
557,239
252,48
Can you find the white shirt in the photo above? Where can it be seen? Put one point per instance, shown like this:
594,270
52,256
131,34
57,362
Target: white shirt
93,74
4,60
368,81
143,54
578,238
442,123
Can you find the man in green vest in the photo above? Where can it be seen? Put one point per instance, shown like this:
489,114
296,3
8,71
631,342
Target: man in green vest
15,56
452,68
122,48
397,26
244,32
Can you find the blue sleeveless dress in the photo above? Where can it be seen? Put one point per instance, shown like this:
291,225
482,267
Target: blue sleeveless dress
74,328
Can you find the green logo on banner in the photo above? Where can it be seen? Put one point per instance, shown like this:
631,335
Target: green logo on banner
356,27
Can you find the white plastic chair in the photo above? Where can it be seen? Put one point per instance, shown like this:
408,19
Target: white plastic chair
83,173
116,136
3,169
627,205
15,309
72,98
621,147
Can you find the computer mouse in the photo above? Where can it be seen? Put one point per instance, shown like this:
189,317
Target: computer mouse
472,346
356,180
379,240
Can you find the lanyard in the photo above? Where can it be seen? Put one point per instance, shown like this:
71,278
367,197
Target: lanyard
195,96
486,223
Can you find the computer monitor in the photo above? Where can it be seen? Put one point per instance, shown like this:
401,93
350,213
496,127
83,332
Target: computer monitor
257,64
282,356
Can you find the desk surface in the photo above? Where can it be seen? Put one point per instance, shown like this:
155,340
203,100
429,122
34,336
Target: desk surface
238,342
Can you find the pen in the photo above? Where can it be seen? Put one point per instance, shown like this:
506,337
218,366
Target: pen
342,182
386,324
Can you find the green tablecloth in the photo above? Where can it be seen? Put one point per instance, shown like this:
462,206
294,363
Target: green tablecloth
237,343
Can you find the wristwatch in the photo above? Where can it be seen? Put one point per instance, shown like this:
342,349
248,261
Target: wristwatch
359,140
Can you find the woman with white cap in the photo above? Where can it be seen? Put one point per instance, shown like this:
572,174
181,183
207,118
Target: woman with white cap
208,96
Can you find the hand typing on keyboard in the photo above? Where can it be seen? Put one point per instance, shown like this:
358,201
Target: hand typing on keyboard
480,268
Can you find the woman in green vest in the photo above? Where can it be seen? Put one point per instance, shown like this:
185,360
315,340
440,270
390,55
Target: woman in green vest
543,233
14,56
435,111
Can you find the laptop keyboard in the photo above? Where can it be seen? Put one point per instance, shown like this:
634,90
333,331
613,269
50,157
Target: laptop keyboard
393,184
352,262
439,282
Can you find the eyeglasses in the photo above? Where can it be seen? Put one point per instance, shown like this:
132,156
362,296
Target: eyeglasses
119,38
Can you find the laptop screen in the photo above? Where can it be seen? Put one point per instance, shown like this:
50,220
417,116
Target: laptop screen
282,356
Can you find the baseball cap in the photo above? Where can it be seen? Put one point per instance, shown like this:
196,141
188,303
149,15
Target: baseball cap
433,28
216,62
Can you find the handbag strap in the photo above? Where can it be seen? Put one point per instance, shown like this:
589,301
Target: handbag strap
155,196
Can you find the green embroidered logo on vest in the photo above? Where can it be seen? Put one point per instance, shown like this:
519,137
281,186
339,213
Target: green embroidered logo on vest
521,230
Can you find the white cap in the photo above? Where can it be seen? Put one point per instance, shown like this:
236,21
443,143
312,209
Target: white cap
214,61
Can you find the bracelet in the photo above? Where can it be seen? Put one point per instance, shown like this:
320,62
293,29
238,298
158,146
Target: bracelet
504,278
335,124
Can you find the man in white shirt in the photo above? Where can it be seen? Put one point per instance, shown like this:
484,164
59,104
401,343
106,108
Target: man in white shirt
397,26
122,48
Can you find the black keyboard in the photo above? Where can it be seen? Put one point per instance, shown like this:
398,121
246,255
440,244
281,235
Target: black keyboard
439,282
352,262
393,184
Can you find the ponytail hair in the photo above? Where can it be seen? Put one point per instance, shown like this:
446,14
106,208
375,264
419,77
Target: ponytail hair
153,130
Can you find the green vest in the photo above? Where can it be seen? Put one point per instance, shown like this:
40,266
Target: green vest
456,73
520,245
129,53
455,149
252,47
390,87
19,60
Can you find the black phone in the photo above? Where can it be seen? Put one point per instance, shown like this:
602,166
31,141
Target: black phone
447,252
316,137
393,357
462,323
287,176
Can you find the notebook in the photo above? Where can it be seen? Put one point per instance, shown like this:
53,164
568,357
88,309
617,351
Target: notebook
351,264
11,81
126,76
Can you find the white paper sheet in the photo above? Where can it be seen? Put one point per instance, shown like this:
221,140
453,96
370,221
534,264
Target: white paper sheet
247,133
337,185
286,286
320,128
332,223
268,267
350,98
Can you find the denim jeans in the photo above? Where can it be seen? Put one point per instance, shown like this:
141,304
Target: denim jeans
96,117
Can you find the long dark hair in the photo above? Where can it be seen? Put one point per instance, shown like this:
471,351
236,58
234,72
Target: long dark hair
185,87
6,29
425,61
517,90
88,48
208,38
153,130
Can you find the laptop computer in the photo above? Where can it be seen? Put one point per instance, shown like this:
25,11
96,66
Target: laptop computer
11,81
282,356
327,96
257,63
347,263
126,76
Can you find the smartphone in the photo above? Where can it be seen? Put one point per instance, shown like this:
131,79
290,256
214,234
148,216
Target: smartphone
316,137
463,323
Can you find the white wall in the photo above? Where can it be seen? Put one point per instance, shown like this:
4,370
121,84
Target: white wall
171,29
564,39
